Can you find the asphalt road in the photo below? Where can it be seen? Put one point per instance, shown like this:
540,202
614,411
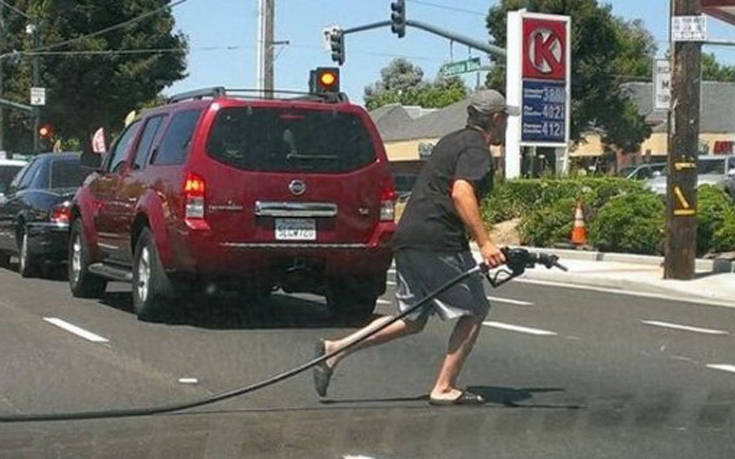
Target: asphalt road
568,372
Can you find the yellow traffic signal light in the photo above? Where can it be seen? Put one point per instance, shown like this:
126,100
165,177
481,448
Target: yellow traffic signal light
324,79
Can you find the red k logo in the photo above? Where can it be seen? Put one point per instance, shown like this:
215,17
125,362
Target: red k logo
544,44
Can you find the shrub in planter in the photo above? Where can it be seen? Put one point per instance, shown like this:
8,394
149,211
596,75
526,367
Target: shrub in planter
632,223
549,225
723,239
714,207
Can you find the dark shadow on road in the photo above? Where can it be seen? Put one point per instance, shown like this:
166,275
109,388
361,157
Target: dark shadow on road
231,311
506,396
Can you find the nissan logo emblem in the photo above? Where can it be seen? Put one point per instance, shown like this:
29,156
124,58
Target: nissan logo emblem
297,187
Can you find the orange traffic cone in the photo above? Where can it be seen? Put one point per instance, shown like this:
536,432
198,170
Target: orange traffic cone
579,232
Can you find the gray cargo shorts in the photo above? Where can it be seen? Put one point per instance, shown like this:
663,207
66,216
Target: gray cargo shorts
420,272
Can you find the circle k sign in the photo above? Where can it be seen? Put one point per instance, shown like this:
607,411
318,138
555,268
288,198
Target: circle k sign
544,49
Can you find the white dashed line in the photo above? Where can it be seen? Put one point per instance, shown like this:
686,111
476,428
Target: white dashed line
509,301
384,302
391,283
722,367
706,331
518,328
71,328
391,271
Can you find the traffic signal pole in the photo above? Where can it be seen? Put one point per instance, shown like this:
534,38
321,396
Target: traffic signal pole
681,215
36,83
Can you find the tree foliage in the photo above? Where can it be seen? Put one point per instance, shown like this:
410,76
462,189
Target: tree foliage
85,92
402,82
714,71
603,49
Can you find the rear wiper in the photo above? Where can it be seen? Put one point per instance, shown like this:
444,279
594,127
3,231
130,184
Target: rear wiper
300,156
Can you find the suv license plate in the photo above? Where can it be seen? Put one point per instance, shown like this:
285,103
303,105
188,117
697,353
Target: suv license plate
295,229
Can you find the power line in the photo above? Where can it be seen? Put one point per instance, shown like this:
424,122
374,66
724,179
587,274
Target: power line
14,9
374,53
447,7
111,28
126,51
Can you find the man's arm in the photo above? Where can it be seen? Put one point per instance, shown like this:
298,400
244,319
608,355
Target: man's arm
468,209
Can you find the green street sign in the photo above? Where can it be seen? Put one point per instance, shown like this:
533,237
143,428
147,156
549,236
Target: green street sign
459,67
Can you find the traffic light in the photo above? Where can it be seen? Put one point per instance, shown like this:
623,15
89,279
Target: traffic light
324,80
337,43
46,131
398,17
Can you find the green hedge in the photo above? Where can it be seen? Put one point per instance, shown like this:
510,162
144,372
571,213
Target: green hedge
619,213
516,198
631,223
714,208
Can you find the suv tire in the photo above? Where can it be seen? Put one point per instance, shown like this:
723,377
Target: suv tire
83,284
152,288
4,260
353,298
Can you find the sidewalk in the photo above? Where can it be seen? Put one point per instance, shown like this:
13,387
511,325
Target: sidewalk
715,281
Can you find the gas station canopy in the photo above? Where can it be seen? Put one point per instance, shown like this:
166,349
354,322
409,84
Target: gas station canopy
721,9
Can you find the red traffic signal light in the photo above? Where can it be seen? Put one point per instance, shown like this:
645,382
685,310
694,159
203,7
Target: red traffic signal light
46,131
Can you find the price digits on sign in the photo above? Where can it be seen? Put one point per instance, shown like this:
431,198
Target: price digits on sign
553,112
550,129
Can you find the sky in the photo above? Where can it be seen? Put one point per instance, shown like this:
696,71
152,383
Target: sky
222,39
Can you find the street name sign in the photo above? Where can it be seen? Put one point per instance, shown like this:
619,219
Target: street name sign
456,68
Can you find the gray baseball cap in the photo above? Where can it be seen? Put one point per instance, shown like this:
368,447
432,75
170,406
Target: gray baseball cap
490,101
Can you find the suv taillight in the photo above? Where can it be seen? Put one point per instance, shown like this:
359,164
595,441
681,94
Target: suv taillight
387,201
194,188
61,213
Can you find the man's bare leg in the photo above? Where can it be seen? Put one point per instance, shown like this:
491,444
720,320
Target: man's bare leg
461,342
395,330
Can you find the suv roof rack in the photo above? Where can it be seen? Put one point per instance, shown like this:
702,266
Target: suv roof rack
221,91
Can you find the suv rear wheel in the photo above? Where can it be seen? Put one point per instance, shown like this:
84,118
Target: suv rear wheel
83,283
353,298
152,288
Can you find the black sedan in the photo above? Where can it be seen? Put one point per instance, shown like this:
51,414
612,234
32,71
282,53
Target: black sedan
34,219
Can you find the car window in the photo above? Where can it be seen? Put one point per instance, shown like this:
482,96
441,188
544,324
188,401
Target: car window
7,174
29,174
175,144
146,140
284,140
41,176
19,176
67,173
711,166
119,152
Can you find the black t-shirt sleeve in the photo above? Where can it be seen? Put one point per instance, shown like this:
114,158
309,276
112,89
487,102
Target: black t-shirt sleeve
475,166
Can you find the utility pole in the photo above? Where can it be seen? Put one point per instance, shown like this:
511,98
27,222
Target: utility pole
2,112
266,13
681,214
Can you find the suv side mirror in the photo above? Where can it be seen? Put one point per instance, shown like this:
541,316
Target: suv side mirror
91,160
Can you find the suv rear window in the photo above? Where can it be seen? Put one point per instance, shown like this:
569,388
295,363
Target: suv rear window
287,140
67,173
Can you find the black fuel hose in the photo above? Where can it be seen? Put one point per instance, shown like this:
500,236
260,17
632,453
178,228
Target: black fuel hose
81,415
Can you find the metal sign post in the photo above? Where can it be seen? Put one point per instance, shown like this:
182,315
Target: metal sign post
538,81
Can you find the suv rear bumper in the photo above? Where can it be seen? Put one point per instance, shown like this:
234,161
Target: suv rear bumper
205,256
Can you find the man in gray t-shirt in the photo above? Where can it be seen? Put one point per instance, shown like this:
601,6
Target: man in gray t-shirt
431,248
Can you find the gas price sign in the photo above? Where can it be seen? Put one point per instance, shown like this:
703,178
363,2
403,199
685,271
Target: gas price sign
544,111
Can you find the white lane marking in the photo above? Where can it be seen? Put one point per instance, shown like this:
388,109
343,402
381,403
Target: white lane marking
509,301
518,328
188,380
359,456
384,302
706,331
71,328
615,291
391,271
391,283
722,366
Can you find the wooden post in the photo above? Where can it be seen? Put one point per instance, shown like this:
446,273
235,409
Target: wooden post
681,208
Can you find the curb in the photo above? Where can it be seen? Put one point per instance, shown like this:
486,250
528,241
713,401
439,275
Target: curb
701,264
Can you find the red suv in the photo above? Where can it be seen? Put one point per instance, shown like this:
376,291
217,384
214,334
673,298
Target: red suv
212,189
